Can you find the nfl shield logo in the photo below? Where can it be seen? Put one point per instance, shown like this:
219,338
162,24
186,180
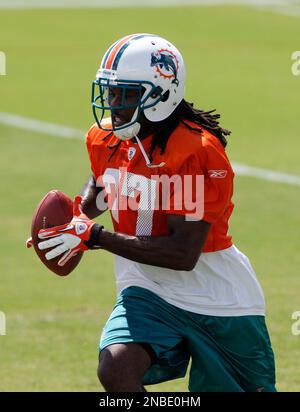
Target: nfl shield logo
131,152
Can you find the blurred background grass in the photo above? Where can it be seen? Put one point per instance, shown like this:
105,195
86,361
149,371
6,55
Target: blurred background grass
238,61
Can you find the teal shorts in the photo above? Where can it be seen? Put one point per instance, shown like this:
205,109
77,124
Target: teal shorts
228,354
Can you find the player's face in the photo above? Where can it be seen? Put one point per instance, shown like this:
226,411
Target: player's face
122,97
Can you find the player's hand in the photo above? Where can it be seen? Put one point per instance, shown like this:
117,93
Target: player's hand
70,238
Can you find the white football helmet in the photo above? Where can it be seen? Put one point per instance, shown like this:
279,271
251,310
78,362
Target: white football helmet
148,64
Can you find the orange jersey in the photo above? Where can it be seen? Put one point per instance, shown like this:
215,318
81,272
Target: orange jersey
188,153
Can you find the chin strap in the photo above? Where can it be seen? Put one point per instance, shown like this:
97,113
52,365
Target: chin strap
128,133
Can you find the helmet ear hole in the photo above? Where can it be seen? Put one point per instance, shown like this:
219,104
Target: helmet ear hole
165,96
156,92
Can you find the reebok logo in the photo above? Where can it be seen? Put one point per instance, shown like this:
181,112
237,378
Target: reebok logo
219,174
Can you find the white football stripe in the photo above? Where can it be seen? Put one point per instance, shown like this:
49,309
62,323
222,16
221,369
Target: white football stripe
56,130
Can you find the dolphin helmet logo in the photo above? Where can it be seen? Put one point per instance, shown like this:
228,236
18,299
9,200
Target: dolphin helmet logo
166,64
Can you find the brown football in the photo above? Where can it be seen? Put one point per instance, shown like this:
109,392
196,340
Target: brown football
55,209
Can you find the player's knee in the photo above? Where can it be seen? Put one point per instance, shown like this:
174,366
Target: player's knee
121,367
110,373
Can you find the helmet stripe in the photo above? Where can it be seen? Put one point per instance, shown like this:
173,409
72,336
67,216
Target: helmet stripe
124,46
115,48
104,60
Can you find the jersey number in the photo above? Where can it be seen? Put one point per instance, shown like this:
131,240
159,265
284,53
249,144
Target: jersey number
132,191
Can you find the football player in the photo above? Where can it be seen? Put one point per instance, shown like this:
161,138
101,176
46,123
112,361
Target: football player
185,291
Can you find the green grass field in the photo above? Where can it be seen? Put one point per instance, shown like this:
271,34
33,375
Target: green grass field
238,61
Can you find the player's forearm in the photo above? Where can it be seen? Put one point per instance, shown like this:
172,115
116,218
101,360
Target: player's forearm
89,194
163,251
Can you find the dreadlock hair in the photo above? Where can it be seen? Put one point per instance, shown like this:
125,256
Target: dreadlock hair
186,111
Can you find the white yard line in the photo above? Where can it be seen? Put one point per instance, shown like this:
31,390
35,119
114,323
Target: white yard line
39,126
265,174
56,130
24,4
286,7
